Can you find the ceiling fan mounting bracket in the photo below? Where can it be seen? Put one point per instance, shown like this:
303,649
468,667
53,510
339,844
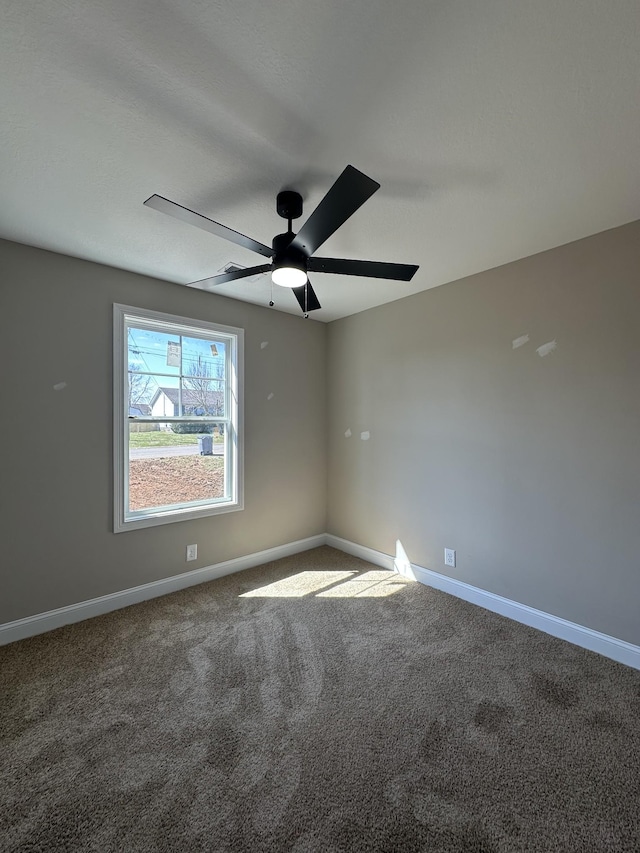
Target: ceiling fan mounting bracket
289,204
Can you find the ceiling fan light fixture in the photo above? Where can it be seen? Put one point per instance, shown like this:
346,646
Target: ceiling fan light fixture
289,276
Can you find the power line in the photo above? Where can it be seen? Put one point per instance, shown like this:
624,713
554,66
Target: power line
185,358
139,351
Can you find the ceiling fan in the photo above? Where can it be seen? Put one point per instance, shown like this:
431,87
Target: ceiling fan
292,255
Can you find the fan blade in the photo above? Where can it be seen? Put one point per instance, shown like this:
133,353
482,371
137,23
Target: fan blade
158,202
348,193
306,297
215,280
372,269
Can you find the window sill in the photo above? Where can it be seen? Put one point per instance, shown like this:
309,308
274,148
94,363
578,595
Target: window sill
169,516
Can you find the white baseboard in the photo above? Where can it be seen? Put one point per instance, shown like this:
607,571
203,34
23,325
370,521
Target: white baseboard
41,622
587,638
603,644
375,557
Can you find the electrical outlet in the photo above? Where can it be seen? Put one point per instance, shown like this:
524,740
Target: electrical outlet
450,557
192,552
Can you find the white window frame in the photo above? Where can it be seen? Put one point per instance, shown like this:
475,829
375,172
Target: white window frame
234,438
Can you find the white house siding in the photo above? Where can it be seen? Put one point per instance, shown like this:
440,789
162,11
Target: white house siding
163,407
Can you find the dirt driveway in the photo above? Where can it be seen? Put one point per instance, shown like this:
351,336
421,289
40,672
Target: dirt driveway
174,479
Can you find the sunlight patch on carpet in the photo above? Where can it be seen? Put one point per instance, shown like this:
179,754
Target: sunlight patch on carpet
295,586
373,584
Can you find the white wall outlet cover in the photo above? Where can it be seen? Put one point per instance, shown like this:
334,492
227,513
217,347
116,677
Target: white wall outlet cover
192,552
449,557
366,435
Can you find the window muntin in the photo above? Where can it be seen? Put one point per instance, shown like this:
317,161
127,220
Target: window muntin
177,413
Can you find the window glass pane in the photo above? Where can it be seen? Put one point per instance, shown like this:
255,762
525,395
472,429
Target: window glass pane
153,352
153,396
203,379
202,397
176,464
202,357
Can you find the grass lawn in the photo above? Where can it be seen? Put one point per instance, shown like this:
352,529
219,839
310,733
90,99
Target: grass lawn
165,439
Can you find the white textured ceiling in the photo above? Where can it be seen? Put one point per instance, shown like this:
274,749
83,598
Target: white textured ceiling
497,129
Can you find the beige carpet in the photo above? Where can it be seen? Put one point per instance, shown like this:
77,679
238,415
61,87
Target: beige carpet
315,704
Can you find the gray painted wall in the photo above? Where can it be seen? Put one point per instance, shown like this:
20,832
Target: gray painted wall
56,516
528,466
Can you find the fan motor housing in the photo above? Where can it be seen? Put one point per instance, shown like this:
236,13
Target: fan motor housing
283,256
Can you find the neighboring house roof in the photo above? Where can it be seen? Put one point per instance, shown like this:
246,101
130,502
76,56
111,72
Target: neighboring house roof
214,399
140,410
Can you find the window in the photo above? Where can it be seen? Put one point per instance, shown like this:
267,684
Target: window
177,418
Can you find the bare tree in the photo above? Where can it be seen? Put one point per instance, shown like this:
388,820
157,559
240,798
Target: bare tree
140,387
203,380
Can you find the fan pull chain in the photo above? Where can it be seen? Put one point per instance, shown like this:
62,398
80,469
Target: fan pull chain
271,300
306,299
